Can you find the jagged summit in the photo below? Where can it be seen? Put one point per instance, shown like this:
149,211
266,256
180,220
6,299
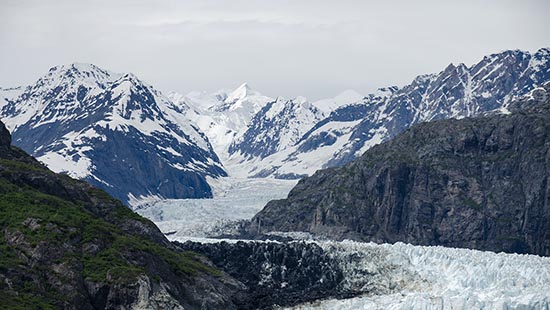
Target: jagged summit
301,100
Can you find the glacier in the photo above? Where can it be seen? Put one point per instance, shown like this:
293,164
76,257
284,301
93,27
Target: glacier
404,276
234,199
391,276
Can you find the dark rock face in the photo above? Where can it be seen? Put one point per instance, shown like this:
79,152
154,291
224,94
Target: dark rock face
480,183
5,137
140,170
277,273
65,244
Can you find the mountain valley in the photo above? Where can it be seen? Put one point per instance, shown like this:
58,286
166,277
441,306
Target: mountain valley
434,194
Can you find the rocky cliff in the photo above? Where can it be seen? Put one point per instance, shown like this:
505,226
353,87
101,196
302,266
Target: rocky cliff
65,244
481,183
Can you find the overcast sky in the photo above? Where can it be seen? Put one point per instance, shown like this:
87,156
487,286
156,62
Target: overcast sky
312,48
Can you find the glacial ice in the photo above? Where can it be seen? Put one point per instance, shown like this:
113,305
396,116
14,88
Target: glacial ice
234,199
403,276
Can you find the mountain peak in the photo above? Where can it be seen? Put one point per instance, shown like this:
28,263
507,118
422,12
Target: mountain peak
240,93
330,104
244,86
348,96
77,68
130,79
80,73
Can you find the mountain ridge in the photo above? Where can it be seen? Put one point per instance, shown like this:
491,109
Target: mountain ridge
241,131
455,92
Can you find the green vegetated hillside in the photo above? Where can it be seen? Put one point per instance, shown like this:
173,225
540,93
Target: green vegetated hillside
66,244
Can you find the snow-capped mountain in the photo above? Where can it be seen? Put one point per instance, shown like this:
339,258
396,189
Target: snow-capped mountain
277,126
73,110
456,92
114,131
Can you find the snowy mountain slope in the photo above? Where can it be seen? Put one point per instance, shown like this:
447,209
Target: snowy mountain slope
402,276
318,144
277,126
114,131
252,134
456,92
245,126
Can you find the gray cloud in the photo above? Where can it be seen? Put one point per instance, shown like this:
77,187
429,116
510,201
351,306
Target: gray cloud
281,47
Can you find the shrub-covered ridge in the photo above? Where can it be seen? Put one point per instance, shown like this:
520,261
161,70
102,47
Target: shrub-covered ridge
65,244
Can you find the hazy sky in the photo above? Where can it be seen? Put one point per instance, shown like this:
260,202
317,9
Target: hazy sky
312,48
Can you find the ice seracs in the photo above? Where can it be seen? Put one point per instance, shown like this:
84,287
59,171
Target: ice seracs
402,276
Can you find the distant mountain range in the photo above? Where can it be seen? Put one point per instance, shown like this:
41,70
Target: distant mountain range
131,140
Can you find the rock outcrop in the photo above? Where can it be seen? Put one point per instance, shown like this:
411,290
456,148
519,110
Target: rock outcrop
480,183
